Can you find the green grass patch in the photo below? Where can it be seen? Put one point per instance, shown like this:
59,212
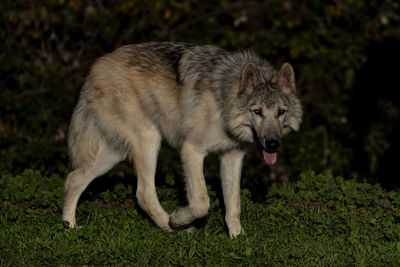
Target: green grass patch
318,220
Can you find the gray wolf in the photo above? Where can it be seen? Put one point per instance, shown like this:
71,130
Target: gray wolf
200,99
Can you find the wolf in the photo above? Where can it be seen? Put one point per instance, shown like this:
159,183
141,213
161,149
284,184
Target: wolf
201,99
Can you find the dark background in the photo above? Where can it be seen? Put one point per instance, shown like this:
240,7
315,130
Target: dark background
345,55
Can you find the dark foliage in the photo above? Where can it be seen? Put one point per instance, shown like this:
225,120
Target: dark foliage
343,53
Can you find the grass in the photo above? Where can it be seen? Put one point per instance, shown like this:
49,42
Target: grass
318,220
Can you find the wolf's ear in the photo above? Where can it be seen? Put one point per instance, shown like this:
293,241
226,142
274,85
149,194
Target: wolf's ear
249,78
285,79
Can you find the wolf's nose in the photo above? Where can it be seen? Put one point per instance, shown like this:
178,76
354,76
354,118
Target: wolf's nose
272,145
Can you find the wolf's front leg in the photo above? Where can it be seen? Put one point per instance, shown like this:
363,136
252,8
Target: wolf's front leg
199,202
231,167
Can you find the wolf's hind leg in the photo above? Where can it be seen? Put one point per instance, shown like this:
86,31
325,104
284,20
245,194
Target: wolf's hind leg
199,202
79,179
146,145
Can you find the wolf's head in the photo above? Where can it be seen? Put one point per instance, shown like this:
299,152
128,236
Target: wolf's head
266,110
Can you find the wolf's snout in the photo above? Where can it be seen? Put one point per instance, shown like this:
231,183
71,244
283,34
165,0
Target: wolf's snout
272,145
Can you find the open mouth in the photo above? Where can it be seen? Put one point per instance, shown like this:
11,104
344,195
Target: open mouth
269,158
269,150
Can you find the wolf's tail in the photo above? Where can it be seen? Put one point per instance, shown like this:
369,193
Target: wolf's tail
83,136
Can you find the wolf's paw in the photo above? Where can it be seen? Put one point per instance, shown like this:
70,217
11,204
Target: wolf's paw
235,229
175,226
236,234
166,228
191,229
69,225
68,228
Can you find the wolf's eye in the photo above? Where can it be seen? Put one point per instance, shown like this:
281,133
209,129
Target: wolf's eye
281,112
257,111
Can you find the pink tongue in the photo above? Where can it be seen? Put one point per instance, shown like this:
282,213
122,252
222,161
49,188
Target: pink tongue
269,158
